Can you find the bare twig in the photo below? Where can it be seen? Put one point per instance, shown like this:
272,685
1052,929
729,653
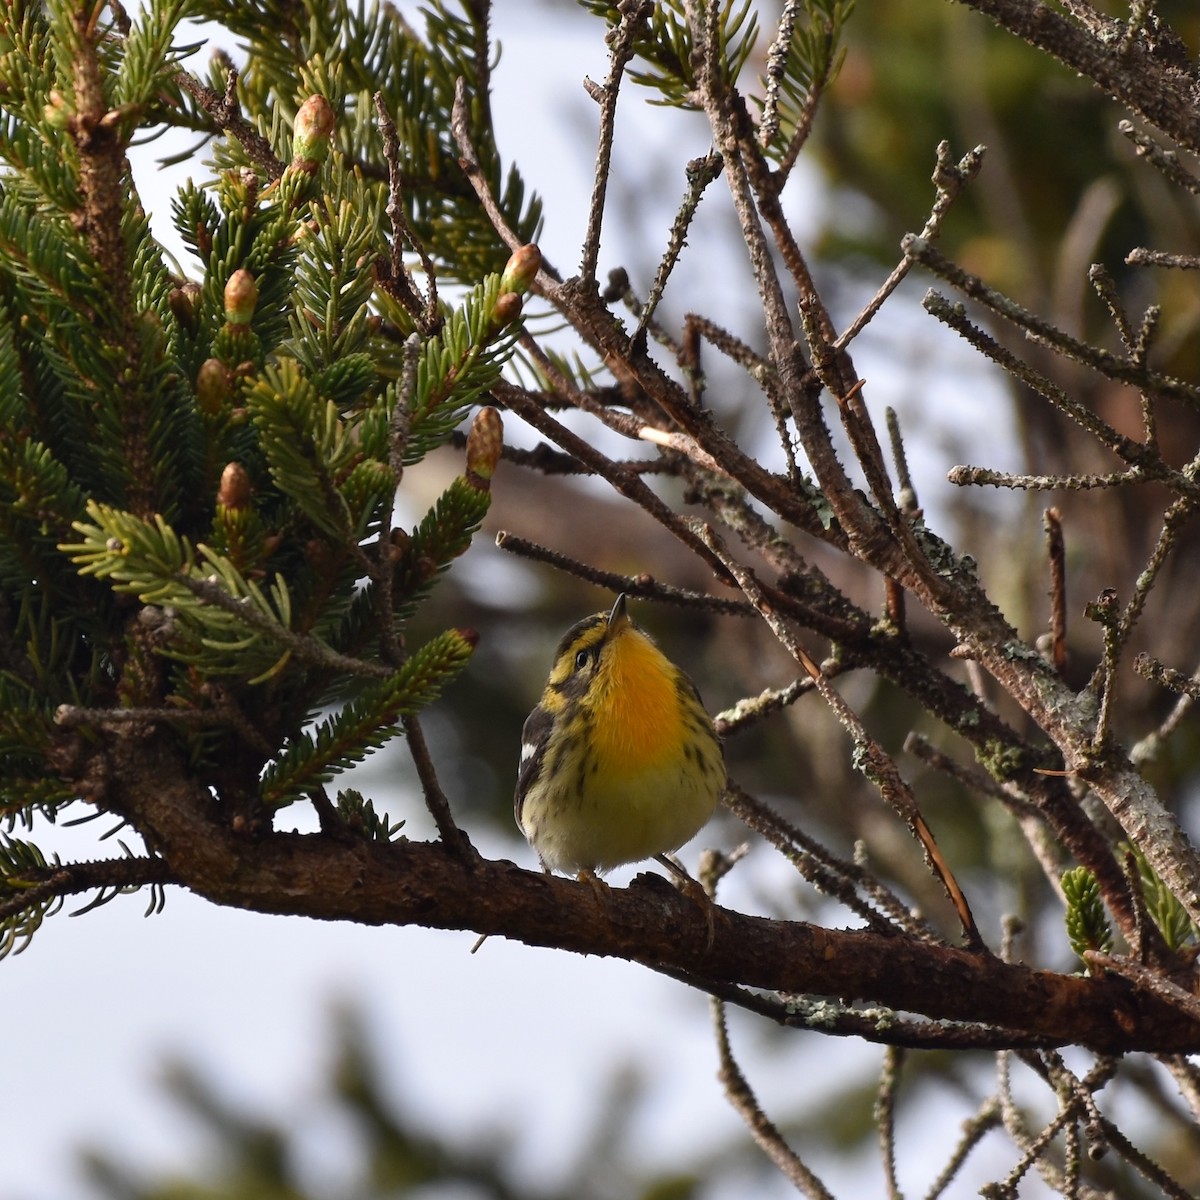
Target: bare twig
629,486
1102,361
621,48
907,496
776,72
973,1132
950,179
769,701
885,1116
700,173
641,586
547,279
399,281
967,476
764,1132
1148,749
227,117
825,871
1167,161
1105,612
455,839
1141,257
1174,522
871,758
1056,555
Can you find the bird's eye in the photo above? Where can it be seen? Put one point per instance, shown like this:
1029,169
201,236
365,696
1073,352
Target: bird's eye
581,660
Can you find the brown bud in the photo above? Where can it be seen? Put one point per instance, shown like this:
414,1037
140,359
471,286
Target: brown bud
470,636
312,132
182,301
520,269
485,441
235,489
320,555
506,310
57,113
241,295
213,386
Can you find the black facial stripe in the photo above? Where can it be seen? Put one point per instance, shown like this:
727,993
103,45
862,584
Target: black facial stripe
572,634
574,686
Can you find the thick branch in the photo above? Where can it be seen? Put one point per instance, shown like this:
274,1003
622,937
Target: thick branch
1155,84
404,883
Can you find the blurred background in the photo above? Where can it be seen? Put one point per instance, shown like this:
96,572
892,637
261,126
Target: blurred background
206,1053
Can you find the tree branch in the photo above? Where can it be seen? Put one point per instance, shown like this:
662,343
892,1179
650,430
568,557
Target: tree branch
378,883
1151,78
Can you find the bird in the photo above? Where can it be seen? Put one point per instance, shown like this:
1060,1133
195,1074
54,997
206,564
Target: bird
620,761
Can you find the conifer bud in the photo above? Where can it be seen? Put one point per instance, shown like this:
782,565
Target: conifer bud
56,113
213,386
520,269
241,295
312,132
400,540
505,311
485,441
182,302
235,490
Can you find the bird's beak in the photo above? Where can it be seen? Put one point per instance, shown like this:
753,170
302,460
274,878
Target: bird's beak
618,618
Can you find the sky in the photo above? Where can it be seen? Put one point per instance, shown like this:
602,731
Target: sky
99,1003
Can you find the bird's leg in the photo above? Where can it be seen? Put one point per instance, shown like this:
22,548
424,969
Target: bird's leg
693,890
600,889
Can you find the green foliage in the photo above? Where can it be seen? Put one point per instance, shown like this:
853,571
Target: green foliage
359,814
18,925
366,722
198,473
1164,908
1087,922
348,52
149,560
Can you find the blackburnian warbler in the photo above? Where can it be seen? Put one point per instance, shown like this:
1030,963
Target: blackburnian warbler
620,761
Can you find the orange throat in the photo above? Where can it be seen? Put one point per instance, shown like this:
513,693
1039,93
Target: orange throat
638,721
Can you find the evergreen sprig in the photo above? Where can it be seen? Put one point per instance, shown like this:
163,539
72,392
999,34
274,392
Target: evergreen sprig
150,560
358,812
366,722
307,445
20,921
350,51
1163,907
1088,927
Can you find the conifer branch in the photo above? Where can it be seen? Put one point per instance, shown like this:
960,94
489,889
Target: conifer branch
226,115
